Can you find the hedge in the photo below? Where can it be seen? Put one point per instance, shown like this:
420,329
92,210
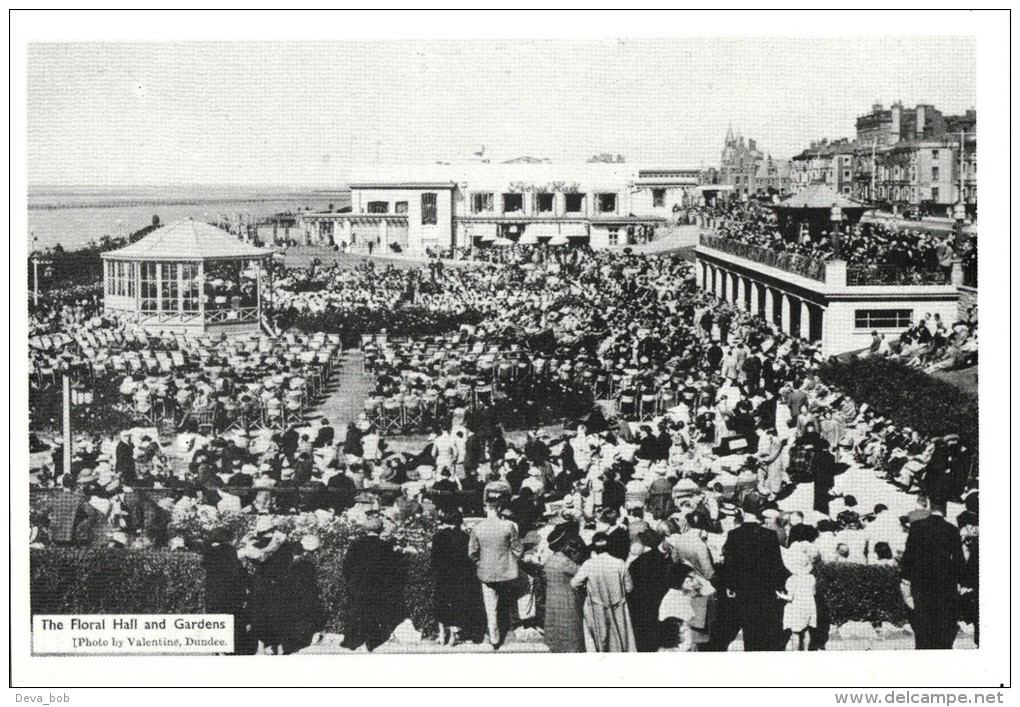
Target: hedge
854,592
119,581
104,581
907,396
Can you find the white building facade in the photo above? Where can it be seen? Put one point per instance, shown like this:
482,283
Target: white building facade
454,207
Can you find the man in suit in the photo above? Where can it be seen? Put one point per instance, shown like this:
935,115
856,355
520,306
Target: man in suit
751,574
967,522
124,459
325,435
370,566
932,569
495,547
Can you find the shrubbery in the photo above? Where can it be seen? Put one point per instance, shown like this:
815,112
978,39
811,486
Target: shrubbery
869,593
119,581
102,581
907,396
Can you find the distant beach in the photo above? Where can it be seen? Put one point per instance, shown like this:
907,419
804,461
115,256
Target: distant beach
74,216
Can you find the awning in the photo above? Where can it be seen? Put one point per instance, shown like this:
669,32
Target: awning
528,238
541,230
559,239
485,231
574,230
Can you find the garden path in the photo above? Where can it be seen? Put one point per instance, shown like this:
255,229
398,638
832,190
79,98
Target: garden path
349,390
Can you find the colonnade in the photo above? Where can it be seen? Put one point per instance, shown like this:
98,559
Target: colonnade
789,312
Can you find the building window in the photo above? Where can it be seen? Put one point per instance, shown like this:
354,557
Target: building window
934,154
883,318
482,202
429,210
846,189
913,174
896,193
658,197
512,203
846,174
574,203
378,207
400,207
935,194
607,203
934,174
150,287
544,202
614,236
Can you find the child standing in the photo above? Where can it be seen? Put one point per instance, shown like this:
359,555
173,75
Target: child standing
801,612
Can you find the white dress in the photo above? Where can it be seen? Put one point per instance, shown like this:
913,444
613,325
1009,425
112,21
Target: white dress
801,612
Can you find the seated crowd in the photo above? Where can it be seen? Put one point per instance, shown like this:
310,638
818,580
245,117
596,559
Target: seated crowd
701,419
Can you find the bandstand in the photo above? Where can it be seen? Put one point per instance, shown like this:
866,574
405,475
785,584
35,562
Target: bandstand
188,277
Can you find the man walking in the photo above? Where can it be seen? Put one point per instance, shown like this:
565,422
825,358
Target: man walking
932,568
751,574
495,548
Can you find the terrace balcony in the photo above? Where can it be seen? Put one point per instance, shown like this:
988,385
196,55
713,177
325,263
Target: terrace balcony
830,272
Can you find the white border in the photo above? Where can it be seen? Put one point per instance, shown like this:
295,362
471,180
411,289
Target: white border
988,666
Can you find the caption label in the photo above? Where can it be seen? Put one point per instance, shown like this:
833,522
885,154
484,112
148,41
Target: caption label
105,634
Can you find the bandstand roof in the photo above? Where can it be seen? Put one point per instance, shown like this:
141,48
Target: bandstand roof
819,196
189,240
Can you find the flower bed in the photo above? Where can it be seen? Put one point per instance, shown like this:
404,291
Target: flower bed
907,396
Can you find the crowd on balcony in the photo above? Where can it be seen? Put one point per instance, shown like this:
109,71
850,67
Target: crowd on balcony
660,526
864,244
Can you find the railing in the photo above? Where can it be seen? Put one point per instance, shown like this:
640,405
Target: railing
894,275
232,316
790,262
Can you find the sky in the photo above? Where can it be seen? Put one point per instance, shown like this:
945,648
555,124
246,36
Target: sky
311,113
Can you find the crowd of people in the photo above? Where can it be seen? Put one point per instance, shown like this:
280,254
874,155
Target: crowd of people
931,345
660,517
863,244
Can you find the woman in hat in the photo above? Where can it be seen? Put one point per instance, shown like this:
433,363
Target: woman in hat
458,594
564,622
607,626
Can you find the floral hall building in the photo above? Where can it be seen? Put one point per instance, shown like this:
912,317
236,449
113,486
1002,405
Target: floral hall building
187,277
436,208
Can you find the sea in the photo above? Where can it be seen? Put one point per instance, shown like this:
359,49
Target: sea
73,216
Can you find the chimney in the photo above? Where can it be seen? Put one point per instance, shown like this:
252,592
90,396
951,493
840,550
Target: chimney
876,107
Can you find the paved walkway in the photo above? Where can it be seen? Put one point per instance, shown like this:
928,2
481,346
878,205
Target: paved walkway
348,390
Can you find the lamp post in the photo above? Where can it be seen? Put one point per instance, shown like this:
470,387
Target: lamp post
38,260
836,216
77,394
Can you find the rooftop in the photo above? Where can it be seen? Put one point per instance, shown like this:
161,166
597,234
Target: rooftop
188,240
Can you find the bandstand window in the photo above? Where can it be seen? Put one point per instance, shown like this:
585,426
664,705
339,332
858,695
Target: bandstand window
169,287
150,287
190,292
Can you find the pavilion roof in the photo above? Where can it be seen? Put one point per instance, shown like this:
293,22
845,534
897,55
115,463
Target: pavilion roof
819,196
189,240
